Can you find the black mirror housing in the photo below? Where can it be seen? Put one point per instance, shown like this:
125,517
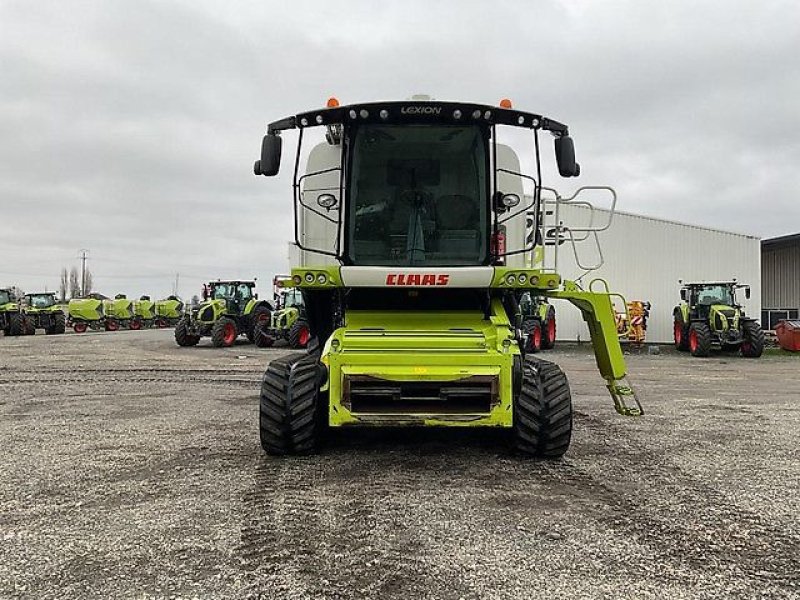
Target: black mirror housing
565,157
747,292
683,295
270,162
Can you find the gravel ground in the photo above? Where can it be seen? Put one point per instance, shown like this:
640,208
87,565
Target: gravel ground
131,468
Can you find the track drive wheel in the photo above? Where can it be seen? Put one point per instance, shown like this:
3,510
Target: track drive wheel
753,343
299,334
182,335
699,339
680,333
292,416
224,333
542,410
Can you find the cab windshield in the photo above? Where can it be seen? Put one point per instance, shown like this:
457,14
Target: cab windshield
714,294
4,297
418,196
292,298
40,300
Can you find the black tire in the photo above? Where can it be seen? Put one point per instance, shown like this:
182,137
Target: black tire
296,334
543,410
219,333
29,326
680,333
290,412
261,336
700,339
15,324
182,335
260,314
58,324
753,344
532,331
549,342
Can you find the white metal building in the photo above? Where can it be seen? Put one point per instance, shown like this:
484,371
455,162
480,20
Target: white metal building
644,258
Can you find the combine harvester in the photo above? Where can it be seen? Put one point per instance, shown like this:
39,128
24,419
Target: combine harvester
168,311
412,299
144,311
119,314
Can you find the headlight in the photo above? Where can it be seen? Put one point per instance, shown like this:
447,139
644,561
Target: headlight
309,278
322,278
534,280
511,279
297,279
522,278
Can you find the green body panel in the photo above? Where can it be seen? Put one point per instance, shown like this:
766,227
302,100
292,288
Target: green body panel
218,308
684,311
284,318
251,304
422,346
120,308
86,309
719,322
170,309
146,309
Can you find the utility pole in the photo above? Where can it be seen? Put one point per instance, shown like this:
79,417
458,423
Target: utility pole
84,252
175,289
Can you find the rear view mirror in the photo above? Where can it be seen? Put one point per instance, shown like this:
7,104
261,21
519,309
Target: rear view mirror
270,162
565,157
683,295
747,292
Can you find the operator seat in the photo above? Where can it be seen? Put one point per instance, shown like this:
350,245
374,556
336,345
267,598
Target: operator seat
457,224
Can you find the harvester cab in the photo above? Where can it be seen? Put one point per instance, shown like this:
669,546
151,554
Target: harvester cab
410,230
229,309
42,311
289,321
710,317
12,320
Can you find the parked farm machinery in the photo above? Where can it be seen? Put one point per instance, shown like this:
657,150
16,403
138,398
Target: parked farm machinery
288,321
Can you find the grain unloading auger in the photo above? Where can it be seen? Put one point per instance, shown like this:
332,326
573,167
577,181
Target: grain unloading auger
411,300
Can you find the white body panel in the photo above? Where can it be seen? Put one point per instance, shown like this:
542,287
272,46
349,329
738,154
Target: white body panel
644,259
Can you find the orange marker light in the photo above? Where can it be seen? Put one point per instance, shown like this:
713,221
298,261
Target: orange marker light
332,102
505,103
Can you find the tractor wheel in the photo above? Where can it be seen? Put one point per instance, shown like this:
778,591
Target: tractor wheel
680,333
533,336
290,411
753,344
224,333
182,335
699,339
15,324
260,314
58,325
112,325
549,334
543,410
299,334
79,327
30,326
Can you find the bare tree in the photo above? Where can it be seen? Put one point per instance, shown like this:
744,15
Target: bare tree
64,285
88,282
17,293
195,300
74,283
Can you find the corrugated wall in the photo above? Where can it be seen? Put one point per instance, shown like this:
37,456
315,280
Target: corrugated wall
645,257
780,268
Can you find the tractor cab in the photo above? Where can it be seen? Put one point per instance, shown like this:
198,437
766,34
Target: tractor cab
40,301
416,231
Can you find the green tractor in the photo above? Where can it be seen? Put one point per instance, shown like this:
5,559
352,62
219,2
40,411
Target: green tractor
710,318
12,319
412,302
229,309
538,320
288,320
43,311
168,312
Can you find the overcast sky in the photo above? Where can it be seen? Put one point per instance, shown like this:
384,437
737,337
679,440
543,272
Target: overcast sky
130,128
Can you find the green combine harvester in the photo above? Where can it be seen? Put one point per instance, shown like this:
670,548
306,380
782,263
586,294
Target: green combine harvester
43,311
89,313
12,319
168,312
412,303
120,314
144,313
288,320
229,309
710,318
538,322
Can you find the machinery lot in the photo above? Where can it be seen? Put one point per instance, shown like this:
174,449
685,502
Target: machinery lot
131,468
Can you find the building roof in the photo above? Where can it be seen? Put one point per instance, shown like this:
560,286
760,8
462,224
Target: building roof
784,240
